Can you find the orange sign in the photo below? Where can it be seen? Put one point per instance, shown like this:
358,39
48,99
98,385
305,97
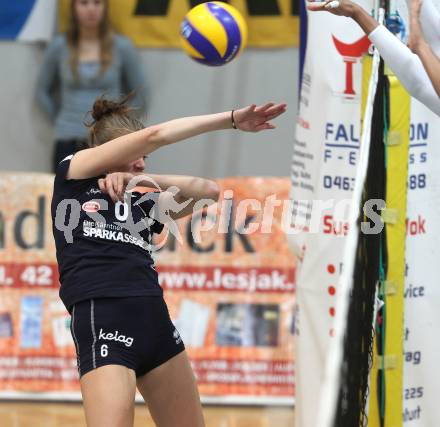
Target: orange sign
229,285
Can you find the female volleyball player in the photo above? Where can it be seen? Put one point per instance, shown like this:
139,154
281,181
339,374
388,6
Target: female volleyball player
419,72
120,323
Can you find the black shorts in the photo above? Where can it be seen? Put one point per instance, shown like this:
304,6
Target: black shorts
135,332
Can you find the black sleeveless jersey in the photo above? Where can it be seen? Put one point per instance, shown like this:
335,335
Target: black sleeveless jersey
103,248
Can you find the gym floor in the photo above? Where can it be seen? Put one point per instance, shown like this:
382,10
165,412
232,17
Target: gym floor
39,414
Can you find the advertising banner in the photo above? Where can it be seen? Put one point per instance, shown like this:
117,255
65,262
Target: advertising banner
229,285
322,169
271,23
325,154
422,293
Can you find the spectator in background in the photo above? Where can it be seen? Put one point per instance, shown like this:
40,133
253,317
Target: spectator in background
79,66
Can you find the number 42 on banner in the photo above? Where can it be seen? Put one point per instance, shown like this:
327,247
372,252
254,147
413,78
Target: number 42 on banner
40,276
32,275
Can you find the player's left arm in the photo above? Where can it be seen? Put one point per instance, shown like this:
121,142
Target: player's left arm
174,190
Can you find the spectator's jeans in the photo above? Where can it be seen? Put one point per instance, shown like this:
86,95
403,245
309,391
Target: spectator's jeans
66,147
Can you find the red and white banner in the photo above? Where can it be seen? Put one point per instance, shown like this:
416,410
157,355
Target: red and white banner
326,151
422,294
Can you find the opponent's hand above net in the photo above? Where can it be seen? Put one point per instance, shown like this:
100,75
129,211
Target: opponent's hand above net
336,7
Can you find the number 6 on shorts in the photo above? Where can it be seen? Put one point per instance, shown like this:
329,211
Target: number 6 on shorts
104,350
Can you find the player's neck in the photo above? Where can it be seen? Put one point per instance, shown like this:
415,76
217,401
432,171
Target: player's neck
88,34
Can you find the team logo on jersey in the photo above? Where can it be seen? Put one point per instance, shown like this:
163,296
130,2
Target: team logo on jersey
93,191
91,206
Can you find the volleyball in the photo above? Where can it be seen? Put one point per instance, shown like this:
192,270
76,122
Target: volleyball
213,33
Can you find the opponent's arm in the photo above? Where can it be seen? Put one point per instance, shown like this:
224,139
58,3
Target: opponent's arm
117,153
406,65
348,9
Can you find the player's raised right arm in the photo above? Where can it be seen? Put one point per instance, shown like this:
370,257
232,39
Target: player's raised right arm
113,156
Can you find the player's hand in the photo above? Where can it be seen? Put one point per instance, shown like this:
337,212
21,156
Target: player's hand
336,7
114,184
256,119
415,34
